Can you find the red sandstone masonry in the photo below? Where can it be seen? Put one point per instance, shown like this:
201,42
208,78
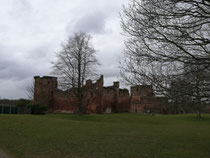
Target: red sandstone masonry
97,98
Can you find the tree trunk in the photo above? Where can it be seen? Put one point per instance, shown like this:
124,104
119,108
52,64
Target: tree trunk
79,98
79,90
198,114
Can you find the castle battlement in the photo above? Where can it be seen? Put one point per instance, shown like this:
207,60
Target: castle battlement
97,98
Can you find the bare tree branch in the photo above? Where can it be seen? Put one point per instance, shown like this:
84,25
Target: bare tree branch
165,39
75,63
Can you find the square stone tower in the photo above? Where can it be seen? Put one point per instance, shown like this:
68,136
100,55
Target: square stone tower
44,90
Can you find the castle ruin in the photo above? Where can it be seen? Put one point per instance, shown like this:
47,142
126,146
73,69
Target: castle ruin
97,98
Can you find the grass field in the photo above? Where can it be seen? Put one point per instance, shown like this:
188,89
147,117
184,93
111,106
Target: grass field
105,136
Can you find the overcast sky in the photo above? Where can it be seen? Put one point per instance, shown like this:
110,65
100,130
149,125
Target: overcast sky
31,32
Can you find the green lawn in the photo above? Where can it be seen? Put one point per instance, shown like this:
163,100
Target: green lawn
105,136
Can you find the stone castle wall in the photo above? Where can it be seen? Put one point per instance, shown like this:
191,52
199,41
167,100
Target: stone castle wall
144,100
97,98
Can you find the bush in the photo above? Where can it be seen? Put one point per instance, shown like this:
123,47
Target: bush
23,103
37,108
23,107
29,107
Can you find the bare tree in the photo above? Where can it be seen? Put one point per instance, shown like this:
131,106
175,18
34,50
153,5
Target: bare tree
190,92
75,63
30,90
163,39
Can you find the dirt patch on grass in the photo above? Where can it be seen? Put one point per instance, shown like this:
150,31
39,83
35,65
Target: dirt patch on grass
3,154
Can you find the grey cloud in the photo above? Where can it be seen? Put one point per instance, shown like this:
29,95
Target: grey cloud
20,8
93,22
31,32
109,71
12,68
15,71
39,52
20,71
13,90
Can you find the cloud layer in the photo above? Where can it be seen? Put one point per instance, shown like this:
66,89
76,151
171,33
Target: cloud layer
31,32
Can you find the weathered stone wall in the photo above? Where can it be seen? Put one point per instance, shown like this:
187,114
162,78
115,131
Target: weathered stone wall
142,91
44,89
144,100
93,96
109,99
64,101
154,104
207,109
97,98
136,105
123,101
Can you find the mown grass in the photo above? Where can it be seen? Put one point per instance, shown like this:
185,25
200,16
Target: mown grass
105,136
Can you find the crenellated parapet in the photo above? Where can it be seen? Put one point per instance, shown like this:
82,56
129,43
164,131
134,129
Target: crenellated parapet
96,97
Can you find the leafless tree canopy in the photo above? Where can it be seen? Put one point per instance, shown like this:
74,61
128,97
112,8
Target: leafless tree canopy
30,90
164,38
75,63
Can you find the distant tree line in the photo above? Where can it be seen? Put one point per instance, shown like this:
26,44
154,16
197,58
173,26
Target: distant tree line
8,101
25,106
